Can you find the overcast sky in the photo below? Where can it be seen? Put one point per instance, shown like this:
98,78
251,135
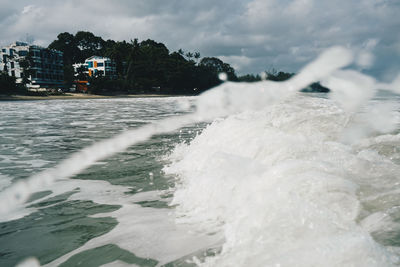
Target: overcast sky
251,35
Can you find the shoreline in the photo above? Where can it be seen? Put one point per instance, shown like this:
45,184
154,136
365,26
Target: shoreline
75,96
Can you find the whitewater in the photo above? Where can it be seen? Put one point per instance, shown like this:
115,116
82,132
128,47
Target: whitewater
270,177
285,190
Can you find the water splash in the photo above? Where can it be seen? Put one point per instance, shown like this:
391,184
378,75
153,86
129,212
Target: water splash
230,97
30,262
283,188
351,89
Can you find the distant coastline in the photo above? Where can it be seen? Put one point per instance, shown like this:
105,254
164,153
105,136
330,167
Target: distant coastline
75,96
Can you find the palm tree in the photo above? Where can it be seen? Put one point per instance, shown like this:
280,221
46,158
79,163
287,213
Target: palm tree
197,56
189,55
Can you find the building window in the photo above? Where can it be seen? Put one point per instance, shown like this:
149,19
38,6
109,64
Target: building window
100,64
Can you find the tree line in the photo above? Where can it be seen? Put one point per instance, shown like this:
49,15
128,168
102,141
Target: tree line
145,67
274,75
142,67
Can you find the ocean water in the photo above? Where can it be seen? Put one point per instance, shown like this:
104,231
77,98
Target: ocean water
118,197
243,175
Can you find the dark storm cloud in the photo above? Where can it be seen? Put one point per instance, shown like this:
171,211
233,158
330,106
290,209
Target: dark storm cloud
252,35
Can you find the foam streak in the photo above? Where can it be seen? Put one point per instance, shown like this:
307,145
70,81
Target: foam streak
19,192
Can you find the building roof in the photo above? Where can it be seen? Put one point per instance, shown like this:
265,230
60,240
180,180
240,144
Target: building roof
18,43
97,57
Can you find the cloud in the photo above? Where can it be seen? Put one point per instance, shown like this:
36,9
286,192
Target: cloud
300,8
237,62
252,35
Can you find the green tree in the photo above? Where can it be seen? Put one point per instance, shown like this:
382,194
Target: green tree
218,66
197,56
189,55
67,44
9,86
76,48
26,64
180,75
249,78
210,68
181,52
147,65
89,45
119,53
142,67
278,76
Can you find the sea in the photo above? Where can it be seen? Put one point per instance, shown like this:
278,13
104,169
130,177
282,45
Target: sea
239,176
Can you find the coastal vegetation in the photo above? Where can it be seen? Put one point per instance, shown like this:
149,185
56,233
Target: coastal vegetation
274,75
8,85
145,67
142,67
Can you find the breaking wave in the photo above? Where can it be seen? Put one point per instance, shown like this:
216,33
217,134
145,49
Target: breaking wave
288,179
285,189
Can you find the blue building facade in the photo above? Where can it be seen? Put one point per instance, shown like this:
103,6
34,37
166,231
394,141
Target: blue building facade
38,66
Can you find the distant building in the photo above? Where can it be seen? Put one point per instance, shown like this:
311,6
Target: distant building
47,67
10,57
80,70
40,66
96,66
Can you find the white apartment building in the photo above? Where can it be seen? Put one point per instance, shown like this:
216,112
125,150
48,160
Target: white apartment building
10,57
45,65
96,66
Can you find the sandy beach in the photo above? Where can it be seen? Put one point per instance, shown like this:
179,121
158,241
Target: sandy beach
73,96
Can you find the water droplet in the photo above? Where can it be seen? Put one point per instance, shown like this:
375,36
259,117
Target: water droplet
223,76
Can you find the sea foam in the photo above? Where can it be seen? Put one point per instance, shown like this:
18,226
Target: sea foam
283,188
228,98
275,172
279,173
